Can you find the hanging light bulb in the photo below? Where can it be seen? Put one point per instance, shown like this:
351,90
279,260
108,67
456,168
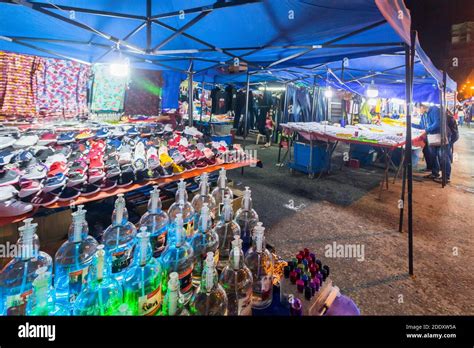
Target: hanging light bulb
372,91
121,68
328,92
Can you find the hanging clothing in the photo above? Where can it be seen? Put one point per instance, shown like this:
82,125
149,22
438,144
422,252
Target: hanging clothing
143,96
18,84
218,97
170,92
62,88
231,98
108,91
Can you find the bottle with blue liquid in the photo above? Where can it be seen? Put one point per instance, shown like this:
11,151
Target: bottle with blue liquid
179,257
102,294
156,222
16,278
204,241
72,260
119,240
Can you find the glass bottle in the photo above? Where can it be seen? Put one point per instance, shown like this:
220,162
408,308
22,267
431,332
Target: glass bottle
247,219
236,279
210,298
221,191
43,298
226,229
156,222
142,284
260,262
16,278
179,257
204,241
173,304
102,294
183,207
119,240
203,197
72,261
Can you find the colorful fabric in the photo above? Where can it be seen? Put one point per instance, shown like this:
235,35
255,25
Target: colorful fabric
143,96
108,91
18,84
62,88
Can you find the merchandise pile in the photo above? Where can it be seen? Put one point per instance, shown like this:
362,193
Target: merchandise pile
384,134
167,264
196,258
43,164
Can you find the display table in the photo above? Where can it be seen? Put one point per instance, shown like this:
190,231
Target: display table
385,137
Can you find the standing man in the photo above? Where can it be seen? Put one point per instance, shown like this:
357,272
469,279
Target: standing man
430,122
427,154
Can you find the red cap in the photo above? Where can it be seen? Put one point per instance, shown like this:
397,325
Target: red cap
300,285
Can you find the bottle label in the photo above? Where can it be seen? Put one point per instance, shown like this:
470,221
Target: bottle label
76,280
245,306
185,280
149,304
158,244
121,260
16,304
189,228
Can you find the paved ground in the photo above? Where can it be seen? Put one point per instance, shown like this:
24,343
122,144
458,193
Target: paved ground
343,208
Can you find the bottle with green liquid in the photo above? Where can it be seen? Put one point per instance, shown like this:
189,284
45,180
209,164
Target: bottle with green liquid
142,283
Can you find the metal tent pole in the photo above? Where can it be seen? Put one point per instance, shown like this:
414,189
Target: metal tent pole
408,149
313,104
190,97
247,95
285,119
443,149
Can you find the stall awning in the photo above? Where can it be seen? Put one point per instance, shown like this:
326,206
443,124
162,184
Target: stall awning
168,35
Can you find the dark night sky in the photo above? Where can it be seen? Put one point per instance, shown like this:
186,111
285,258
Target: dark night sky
433,20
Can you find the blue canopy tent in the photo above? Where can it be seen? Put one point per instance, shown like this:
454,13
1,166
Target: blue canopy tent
194,37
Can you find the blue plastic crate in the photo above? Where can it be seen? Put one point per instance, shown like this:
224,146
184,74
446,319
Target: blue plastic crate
320,163
363,153
226,138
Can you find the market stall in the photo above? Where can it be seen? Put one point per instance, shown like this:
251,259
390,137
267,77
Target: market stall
195,248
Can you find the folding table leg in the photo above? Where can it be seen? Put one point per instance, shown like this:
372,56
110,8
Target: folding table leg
385,177
402,160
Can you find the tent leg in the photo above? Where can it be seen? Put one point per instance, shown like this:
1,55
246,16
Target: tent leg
444,145
410,57
247,95
402,198
190,98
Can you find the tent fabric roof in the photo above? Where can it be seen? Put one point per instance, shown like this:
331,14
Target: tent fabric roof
169,34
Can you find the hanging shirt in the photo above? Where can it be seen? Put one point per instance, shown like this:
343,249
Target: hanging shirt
62,88
18,84
108,91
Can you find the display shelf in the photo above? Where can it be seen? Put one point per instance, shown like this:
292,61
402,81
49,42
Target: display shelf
106,194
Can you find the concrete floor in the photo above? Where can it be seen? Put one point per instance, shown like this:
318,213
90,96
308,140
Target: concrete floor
344,208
